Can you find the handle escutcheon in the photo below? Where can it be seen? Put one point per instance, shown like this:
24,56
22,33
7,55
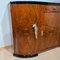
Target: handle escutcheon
35,30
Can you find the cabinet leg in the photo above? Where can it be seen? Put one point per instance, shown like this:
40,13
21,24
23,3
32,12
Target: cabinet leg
25,56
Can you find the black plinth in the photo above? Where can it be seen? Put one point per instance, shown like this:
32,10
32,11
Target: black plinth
25,56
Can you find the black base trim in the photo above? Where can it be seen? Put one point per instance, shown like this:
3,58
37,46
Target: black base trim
59,46
25,56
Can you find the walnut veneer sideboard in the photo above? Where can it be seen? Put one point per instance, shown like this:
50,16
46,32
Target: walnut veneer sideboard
36,27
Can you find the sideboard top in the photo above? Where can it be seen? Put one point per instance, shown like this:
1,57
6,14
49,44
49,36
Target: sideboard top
34,2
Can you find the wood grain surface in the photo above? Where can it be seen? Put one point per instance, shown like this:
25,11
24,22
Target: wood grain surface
23,18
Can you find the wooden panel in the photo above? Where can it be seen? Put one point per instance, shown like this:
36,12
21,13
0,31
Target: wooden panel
51,31
47,23
24,38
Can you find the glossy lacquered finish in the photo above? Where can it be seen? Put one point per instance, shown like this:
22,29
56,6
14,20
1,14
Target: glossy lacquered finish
47,18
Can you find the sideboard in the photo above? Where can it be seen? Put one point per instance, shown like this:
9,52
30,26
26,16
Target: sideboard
36,27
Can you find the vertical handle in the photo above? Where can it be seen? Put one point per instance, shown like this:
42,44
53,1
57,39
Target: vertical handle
42,32
35,30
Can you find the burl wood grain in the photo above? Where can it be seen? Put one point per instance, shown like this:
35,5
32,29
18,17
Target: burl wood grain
23,18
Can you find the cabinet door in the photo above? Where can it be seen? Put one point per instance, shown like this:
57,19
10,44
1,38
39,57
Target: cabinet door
51,31
47,27
23,18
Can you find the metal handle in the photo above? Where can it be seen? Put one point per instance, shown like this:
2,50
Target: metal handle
43,27
35,30
42,32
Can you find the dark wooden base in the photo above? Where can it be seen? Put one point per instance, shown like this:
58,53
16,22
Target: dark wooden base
59,46
25,56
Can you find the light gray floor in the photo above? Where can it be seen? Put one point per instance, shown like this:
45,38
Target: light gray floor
53,54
